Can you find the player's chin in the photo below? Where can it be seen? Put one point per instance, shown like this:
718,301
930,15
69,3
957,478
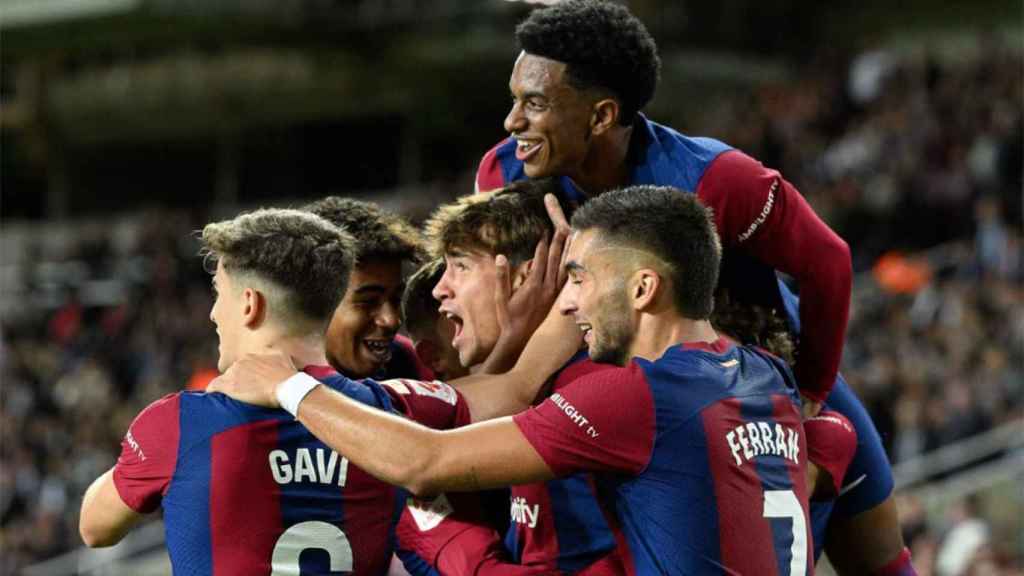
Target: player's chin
537,168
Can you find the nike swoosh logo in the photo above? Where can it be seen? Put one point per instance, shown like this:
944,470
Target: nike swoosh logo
853,484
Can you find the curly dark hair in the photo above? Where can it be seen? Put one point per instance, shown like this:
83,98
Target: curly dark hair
603,45
753,325
671,225
379,234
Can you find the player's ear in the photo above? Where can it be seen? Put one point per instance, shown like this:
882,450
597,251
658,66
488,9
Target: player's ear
645,286
254,307
605,116
520,273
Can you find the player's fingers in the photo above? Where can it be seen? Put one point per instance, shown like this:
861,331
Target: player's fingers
503,288
555,213
539,265
554,276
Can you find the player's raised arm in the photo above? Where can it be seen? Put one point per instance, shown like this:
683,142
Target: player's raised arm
758,211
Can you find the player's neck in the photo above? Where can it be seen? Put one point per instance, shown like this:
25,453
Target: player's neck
605,167
657,333
306,350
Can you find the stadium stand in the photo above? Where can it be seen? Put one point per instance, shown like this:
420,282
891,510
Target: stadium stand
915,161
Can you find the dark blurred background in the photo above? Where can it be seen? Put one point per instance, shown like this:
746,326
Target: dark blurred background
125,125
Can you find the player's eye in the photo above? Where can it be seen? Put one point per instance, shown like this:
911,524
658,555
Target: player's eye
535,105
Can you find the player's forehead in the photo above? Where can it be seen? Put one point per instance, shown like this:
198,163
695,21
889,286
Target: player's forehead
380,275
220,274
537,74
582,245
470,253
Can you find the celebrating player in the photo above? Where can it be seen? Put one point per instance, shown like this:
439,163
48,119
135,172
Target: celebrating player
362,339
246,490
698,440
586,70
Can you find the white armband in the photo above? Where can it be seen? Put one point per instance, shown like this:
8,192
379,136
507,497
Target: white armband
290,392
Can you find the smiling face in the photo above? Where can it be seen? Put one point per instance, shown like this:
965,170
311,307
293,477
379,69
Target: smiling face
365,323
597,298
466,293
550,119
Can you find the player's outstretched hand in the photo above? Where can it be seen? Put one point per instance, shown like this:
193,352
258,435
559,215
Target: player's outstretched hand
253,378
521,313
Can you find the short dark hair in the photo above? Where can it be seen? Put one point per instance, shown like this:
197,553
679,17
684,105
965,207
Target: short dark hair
419,308
379,234
603,45
670,224
509,221
298,256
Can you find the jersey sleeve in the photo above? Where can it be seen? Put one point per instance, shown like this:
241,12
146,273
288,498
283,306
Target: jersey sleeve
760,212
149,453
603,421
831,445
489,175
432,403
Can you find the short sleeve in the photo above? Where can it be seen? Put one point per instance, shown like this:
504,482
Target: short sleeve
603,421
149,453
434,404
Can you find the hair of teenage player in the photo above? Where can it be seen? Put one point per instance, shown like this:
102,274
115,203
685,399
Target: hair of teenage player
672,226
419,308
298,260
603,45
509,221
379,234
753,326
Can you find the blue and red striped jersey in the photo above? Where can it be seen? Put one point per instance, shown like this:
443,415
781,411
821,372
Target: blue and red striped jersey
765,225
565,524
248,490
701,453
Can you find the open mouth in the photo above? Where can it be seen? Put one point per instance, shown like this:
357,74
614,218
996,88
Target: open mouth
379,349
526,149
587,330
457,323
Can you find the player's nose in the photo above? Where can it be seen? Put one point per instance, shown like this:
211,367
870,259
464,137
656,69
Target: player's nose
567,302
389,316
515,121
442,289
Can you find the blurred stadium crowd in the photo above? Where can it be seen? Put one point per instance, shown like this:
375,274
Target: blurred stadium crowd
916,162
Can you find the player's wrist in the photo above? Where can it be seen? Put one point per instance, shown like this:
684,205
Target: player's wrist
290,393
